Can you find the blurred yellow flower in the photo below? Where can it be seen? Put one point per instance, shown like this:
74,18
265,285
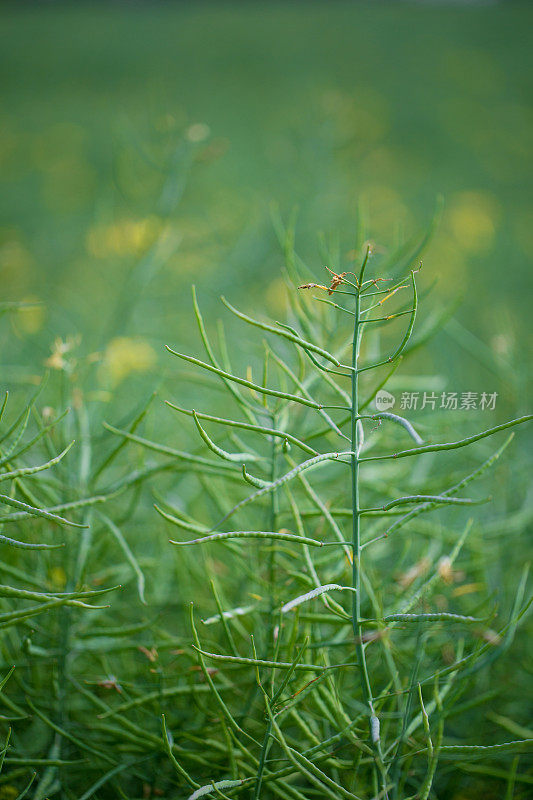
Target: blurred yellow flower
122,238
473,220
57,578
125,355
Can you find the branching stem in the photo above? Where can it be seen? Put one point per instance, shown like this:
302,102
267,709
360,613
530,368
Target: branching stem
357,550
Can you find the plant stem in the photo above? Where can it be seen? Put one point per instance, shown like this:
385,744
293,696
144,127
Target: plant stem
273,521
357,551
274,510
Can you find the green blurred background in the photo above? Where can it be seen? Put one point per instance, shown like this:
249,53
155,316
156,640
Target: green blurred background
122,123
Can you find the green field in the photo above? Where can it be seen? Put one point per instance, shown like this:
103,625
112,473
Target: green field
146,147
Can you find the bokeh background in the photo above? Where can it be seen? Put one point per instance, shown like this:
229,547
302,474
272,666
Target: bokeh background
142,145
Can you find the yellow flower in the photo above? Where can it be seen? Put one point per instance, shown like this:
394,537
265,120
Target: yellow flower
473,220
57,577
125,355
126,237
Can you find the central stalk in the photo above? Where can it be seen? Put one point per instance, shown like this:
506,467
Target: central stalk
356,542
356,537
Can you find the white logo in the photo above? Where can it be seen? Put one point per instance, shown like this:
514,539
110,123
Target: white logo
384,400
